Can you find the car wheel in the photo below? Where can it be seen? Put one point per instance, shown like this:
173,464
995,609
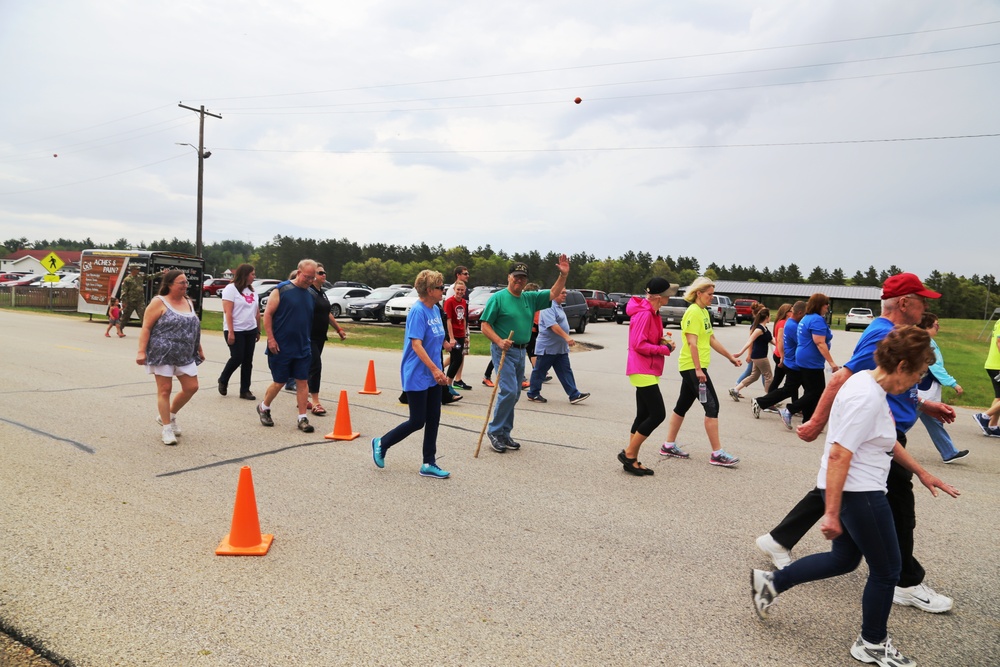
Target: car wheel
356,318
592,315
335,311
620,320
610,318
395,320
381,317
582,326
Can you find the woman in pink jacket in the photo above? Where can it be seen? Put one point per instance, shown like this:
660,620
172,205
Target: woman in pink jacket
646,349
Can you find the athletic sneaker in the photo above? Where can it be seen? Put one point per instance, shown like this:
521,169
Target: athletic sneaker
497,443
265,416
674,451
786,417
548,378
525,384
537,399
724,459
580,398
983,421
305,426
923,597
993,431
774,410
762,591
377,456
431,470
511,443
169,438
487,382
173,425
779,555
958,455
735,395
884,654
755,408
462,385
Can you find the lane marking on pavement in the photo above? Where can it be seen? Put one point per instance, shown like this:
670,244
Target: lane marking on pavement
78,445
242,459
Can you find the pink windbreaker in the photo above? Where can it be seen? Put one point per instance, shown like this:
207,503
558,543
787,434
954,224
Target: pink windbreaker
645,353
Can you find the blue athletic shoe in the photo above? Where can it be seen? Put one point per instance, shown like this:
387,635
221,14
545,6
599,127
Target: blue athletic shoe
431,470
377,454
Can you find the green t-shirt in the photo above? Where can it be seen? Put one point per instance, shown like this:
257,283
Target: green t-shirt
697,321
506,312
993,358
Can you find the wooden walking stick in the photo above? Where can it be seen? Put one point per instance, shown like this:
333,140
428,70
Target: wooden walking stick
489,410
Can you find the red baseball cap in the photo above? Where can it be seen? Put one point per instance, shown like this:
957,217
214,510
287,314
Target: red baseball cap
902,284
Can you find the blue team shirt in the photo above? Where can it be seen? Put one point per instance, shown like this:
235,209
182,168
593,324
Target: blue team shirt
791,341
292,321
424,324
807,355
903,406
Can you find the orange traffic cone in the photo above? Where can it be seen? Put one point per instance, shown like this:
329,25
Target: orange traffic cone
342,427
244,538
370,387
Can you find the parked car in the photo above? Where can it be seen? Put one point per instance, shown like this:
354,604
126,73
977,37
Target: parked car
258,285
672,312
372,307
620,315
722,310
599,304
351,283
397,309
477,302
7,277
215,286
34,279
859,318
69,281
577,311
744,310
340,297
262,295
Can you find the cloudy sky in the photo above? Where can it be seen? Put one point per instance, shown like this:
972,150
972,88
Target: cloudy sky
828,132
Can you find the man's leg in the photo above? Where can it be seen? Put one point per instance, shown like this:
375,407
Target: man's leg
939,436
542,365
508,390
560,364
800,520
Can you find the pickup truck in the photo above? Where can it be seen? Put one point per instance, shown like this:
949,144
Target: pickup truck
599,305
673,311
744,310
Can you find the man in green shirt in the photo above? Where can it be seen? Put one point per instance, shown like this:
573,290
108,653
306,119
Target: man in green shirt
506,321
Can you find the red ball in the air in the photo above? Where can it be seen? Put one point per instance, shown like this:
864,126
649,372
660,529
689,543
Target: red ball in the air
578,100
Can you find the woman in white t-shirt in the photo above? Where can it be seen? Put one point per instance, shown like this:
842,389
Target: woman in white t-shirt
860,445
241,329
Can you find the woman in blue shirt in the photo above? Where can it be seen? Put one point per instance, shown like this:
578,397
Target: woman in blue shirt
421,374
811,354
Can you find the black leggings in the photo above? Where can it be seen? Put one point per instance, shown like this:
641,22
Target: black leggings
455,357
689,394
425,413
240,356
813,384
649,409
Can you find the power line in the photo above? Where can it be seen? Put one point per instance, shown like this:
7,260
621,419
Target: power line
238,110
96,178
617,148
614,64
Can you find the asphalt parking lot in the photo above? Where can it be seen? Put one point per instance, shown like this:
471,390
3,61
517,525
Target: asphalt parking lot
547,556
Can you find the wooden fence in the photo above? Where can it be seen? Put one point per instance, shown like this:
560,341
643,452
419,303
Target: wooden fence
38,297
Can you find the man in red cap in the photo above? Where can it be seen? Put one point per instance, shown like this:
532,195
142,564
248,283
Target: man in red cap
903,303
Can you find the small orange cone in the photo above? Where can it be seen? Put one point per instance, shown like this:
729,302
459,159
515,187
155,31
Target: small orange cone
342,427
244,538
370,387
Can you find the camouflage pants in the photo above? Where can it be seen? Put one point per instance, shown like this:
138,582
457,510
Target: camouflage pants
127,307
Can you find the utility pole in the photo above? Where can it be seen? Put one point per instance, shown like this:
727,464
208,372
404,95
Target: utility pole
202,154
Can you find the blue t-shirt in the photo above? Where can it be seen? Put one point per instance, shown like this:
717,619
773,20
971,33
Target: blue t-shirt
548,342
424,324
791,342
292,320
903,406
807,355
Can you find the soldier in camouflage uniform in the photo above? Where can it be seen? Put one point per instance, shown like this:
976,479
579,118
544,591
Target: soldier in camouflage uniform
133,295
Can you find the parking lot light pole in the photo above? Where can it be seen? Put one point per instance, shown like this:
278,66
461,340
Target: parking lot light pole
202,155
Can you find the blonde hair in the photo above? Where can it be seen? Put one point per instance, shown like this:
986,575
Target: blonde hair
425,280
699,285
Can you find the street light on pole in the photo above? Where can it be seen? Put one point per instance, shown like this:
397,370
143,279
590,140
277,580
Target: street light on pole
202,156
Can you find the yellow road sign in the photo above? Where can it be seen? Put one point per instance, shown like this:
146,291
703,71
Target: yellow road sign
52,263
50,278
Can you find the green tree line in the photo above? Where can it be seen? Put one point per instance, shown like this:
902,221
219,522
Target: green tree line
382,263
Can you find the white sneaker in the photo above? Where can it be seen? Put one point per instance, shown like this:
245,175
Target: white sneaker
173,425
884,654
780,556
923,597
168,436
762,591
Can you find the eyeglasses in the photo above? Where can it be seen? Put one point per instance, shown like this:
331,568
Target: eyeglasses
464,273
321,273
440,287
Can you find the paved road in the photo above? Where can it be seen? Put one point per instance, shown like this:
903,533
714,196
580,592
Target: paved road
551,555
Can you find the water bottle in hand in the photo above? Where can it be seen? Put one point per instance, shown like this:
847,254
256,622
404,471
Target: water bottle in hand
702,392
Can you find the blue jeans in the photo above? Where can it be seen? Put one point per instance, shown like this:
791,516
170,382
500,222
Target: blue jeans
508,389
939,436
560,364
868,531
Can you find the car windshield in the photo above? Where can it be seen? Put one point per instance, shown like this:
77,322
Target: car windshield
383,293
480,298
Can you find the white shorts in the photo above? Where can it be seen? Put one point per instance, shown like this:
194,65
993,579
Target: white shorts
173,371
